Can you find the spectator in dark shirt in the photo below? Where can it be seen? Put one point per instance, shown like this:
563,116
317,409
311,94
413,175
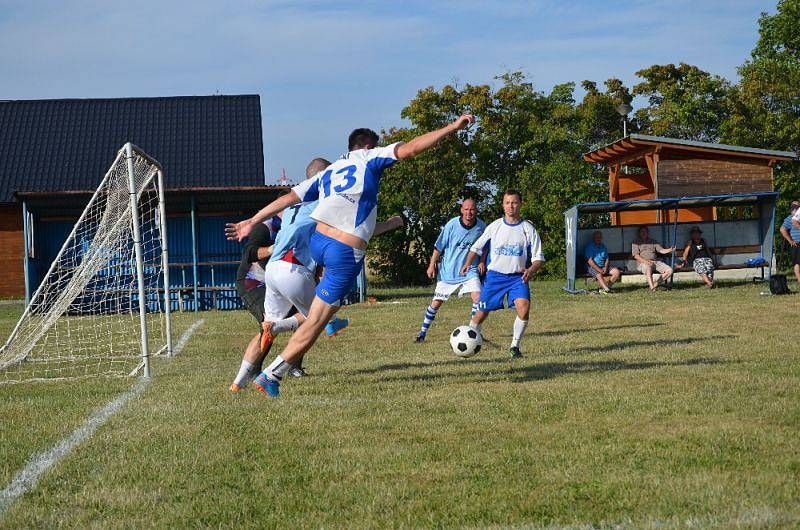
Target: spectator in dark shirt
698,255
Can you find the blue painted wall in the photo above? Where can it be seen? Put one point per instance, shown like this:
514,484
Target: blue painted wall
213,249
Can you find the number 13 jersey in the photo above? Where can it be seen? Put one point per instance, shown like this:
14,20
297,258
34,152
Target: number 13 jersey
348,190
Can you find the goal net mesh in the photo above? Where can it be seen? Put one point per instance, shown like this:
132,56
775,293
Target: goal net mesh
83,320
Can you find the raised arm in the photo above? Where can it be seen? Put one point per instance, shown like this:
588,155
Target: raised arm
387,225
426,141
239,231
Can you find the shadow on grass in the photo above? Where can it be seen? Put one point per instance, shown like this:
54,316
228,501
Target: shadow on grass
657,343
538,372
561,332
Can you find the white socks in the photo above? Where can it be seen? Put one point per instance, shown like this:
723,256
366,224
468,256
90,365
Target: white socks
247,372
519,330
277,369
287,324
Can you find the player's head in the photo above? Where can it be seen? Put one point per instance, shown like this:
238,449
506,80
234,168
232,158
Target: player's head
597,237
512,200
795,205
644,232
362,139
315,166
469,212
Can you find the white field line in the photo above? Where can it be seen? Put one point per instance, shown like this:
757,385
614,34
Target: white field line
26,479
185,337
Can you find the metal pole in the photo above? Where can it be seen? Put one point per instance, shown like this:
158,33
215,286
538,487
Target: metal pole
162,214
674,245
194,256
25,265
137,245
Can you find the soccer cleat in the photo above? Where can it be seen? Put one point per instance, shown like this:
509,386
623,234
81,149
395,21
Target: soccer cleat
336,325
420,339
267,386
267,337
297,372
515,353
236,388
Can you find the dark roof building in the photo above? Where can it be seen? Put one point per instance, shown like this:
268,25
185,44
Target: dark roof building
54,153
68,144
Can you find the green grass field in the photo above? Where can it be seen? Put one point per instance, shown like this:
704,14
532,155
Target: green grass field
674,409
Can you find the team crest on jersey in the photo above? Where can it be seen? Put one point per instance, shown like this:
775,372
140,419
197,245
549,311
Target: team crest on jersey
509,250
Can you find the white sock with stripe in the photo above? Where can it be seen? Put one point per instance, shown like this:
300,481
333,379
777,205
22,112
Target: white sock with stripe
519,330
474,309
287,324
277,369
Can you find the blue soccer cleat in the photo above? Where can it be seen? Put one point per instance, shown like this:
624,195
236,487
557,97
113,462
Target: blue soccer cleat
335,326
267,386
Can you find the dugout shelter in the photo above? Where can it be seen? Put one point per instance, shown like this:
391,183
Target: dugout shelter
735,241
669,185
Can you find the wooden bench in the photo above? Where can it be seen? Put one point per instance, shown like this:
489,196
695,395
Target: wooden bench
717,252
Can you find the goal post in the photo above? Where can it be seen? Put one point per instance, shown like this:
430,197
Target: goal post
104,305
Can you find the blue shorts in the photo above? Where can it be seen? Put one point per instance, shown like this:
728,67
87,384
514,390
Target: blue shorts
497,286
342,265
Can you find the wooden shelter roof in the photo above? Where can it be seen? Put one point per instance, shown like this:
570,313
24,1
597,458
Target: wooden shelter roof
632,149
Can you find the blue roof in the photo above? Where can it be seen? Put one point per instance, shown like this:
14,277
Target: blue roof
68,144
741,199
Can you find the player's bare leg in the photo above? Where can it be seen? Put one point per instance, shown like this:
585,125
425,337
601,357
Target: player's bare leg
251,364
476,296
302,339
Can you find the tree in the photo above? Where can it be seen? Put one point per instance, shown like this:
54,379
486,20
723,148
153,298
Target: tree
525,139
684,102
766,103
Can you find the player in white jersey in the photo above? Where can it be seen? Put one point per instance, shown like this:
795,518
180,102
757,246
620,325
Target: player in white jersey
452,246
348,195
516,255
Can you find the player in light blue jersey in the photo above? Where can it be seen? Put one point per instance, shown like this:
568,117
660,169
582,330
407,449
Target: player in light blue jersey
348,197
452,245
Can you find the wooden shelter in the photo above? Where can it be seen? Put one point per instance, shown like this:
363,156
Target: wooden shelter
653,167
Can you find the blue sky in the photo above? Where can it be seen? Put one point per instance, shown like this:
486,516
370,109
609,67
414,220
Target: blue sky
324,68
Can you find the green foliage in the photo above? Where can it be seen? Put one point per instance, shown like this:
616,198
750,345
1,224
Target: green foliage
533,141
684,102
767,100
525,139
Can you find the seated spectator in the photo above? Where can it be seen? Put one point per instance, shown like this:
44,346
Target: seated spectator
698,254
645,251
597,263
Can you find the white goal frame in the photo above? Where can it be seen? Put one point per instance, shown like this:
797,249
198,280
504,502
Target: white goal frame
128,152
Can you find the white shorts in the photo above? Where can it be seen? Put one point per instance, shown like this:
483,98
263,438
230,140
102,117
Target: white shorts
444,289
287,285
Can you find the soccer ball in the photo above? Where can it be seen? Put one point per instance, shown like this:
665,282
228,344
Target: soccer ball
465,341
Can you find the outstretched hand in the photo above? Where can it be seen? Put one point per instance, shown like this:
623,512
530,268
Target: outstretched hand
237,231
464,121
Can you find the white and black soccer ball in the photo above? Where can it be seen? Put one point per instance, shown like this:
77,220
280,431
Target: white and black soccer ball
465,341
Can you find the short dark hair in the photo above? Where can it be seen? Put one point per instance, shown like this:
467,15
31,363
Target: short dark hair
315,166
513,191
643,226
362,138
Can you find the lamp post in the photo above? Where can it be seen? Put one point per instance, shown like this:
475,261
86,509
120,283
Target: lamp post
623,109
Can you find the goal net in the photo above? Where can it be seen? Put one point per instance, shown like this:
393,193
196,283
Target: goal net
100,309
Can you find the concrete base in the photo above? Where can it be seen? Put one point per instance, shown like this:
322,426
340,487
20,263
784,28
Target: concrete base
691,276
